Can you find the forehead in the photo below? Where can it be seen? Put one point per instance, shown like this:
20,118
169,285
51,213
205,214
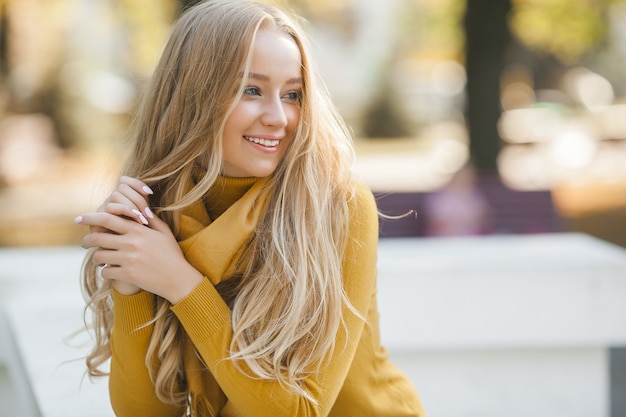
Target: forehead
276,53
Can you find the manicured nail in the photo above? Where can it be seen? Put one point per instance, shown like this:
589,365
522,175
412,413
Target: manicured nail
141,216
147,190
78,220
149,212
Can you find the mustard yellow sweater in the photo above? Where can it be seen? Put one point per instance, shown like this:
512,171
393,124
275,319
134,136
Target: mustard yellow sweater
358,381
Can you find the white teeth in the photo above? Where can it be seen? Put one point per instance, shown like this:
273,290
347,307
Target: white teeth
265,142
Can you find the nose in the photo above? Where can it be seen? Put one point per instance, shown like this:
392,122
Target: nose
274,113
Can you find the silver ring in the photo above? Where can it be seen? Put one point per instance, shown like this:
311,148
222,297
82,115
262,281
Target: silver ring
99,269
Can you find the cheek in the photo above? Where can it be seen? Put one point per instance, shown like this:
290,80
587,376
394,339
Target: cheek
293,116
235,126
240,114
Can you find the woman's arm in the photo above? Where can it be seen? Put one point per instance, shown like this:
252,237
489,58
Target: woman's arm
130,388
138,255
206,319
121,220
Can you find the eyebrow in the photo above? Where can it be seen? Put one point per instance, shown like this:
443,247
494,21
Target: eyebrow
263,77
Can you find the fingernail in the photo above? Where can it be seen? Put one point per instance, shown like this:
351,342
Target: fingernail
141,216
78,220
149,212
147,190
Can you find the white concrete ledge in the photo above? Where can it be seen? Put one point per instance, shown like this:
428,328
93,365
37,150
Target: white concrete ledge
489,326
41,330
532,291
47,347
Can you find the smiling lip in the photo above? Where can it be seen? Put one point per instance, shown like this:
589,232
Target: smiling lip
264,140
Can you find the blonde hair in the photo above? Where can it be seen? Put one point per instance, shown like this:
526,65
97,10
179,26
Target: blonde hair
288,306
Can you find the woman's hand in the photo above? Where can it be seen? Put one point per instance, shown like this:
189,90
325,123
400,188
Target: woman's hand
144,257
129,199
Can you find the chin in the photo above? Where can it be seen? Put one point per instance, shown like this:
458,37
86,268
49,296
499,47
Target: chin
262,172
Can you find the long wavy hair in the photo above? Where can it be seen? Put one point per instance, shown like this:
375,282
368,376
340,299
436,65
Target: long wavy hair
289,303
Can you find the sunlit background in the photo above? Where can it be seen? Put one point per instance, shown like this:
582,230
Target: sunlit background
484,117
542,104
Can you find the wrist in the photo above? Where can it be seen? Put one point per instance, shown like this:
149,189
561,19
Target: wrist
124,288
184,286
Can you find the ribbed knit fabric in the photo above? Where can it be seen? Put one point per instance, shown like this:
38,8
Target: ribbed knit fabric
225,192
357,381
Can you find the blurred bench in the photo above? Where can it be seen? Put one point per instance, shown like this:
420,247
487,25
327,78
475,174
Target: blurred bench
511,211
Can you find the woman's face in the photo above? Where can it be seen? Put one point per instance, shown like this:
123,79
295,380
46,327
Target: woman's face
260,129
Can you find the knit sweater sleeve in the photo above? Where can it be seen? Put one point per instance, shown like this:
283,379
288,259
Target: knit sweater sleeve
206,319
130,388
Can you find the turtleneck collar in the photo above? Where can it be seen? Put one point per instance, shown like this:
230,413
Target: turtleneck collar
224,192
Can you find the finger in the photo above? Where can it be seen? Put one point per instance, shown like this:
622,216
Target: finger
159,225
142,188
121,195
108,257
126,193
101,257
138,185
106,271
112,272
98,229
126,210
118,203
107,221
107,241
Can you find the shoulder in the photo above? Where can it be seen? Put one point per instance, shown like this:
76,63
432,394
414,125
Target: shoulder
361,201
359,261
362,212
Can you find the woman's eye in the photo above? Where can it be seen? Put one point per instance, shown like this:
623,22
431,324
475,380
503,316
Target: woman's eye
293,96
251,91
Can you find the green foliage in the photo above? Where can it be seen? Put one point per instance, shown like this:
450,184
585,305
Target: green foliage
566,29
431,29
148,23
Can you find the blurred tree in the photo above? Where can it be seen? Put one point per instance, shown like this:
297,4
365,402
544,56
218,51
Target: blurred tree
556,32
382,119
487,38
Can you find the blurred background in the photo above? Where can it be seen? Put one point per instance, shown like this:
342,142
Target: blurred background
482,116
514,110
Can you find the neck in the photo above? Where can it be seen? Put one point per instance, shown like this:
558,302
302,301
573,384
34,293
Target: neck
224,192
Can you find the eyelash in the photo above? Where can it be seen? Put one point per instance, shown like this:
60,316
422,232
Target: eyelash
295,96
251,91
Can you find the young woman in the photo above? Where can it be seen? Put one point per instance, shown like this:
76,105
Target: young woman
232,272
